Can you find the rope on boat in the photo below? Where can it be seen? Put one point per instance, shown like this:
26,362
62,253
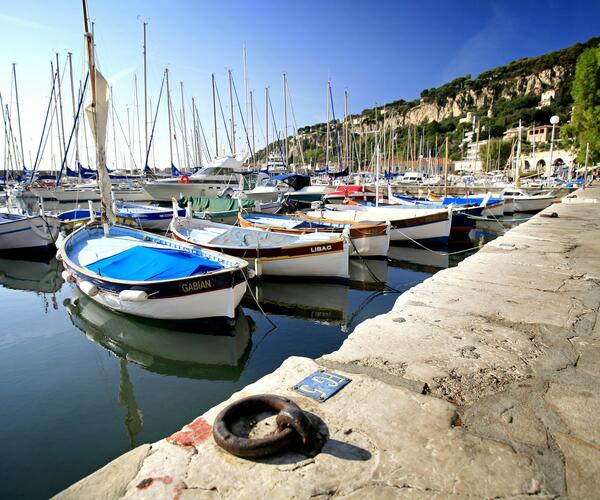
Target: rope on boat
389,288
256,300
435,251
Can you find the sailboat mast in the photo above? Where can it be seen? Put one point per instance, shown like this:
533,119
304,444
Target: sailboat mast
215,116
145,96
252,128
169,117
267,125
327,134
197,145
246,82
446,170
346,131
114,125
285,119
185,135
518,164
233,151
70,56
18,114
62,122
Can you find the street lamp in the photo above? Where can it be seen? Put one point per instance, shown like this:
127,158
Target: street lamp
553,121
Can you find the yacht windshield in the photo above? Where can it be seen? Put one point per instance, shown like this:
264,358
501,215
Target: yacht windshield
216,171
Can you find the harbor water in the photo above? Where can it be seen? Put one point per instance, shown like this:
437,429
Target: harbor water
81,385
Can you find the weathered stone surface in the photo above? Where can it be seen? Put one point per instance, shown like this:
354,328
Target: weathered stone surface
582,463
579,409
396,437
111,481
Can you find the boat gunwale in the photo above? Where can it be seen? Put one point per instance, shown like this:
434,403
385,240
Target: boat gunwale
82,270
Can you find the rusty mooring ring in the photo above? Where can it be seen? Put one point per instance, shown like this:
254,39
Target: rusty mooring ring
293,425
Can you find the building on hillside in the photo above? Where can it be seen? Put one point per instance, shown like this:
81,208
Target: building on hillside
547,98
541,133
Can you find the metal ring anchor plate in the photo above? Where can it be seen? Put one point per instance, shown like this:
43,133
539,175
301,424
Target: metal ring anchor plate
293,427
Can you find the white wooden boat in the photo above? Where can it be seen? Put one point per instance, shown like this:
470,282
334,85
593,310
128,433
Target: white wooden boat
143,274
367,240
314,255
27,231
524,202
405,223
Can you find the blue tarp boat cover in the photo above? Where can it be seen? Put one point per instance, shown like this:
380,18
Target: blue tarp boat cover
142,263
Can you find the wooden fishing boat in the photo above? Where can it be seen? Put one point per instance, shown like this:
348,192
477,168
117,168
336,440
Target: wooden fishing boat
406,224
143,274
313,255
367,240
27,231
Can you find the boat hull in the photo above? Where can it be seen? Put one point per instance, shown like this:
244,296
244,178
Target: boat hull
532,204
211,295
365,240
430,227
317,259
29,232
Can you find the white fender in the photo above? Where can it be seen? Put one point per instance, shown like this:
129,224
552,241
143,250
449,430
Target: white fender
88,288
133,296
67,276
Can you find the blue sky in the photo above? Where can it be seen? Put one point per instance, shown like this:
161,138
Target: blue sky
379,51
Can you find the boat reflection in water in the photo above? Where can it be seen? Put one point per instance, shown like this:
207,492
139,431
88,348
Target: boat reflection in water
317,301
412,257
31,271
200,349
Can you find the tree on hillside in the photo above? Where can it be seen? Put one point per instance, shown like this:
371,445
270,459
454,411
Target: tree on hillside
495,154
585,126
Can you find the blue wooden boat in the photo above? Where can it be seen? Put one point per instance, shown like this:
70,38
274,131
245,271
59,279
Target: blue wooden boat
143,274
129,214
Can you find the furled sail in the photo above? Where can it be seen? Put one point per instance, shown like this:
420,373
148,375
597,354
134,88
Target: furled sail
98,117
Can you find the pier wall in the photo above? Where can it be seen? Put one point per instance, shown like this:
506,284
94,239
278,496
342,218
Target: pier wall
484,380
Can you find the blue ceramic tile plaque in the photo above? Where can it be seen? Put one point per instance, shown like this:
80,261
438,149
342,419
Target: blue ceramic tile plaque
321,385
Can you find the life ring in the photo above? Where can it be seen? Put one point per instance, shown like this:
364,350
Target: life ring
184,179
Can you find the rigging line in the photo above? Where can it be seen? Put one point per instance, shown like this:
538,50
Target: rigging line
37,157
64,161
224,121
124,136
337,132
299,141
377,280
249,288
154,122
242,116
276,132
202,132
175,121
